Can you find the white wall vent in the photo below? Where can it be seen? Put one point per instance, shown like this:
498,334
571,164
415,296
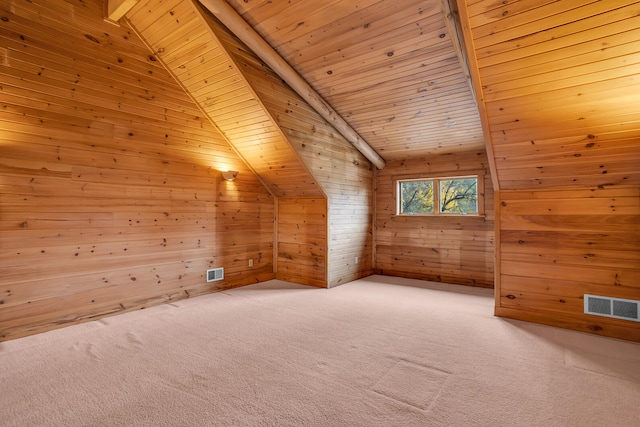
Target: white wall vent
215,274
612,307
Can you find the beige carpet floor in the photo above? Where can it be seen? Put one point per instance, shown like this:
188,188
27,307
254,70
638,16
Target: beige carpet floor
379,351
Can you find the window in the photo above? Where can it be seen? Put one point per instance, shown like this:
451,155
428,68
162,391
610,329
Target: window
456,195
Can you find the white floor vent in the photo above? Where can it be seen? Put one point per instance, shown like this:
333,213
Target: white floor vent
215,274
612,307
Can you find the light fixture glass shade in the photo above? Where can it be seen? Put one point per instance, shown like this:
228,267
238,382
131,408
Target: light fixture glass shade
229,175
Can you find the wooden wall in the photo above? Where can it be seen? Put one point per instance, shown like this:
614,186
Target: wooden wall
342,173
456,250
111,197
291,148
302,240
561,107
556,245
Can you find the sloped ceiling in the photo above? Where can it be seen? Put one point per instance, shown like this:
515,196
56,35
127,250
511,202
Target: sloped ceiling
393,72
554,80
560,90
390,69
182,38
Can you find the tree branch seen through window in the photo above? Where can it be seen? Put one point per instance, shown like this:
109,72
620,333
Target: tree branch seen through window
417,196
459,195
452,196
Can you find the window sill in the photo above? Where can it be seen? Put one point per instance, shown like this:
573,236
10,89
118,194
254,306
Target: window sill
439,216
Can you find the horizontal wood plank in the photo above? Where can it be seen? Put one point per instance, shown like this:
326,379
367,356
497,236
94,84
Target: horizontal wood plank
111,197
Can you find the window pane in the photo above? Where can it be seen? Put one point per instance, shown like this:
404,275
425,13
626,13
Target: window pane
459,196
416,197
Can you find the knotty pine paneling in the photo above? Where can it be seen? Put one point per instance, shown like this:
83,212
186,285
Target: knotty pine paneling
390,69
557,245
456,250
186,40
111,197
559,84
302,240
342,173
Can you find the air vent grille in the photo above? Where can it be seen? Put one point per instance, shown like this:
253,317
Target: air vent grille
599,305
215,274
626,309
612,307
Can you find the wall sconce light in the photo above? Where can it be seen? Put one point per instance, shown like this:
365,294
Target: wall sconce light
229,175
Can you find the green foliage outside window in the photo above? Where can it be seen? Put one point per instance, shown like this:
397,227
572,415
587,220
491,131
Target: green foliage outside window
459,196
455,196
417,197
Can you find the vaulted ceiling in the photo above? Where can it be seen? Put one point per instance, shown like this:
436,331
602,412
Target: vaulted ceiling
391,69
397,75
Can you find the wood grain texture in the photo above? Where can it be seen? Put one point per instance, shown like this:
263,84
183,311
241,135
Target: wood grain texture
390,69
302,240
234,22
559,84
557,245
560,88
290,146
445,249
343,174
196,51
110,190
111,197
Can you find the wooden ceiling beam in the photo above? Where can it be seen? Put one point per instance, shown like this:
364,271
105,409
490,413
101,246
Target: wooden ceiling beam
452,22
476,85
234,22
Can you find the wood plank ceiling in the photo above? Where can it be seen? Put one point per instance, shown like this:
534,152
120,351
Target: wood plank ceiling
392,72
560,89
182,39
395,76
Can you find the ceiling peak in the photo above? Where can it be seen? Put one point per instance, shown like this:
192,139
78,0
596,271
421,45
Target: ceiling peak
234,22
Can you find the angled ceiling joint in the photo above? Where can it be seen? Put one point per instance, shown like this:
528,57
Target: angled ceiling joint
472,67
452,22
116,9
234,22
